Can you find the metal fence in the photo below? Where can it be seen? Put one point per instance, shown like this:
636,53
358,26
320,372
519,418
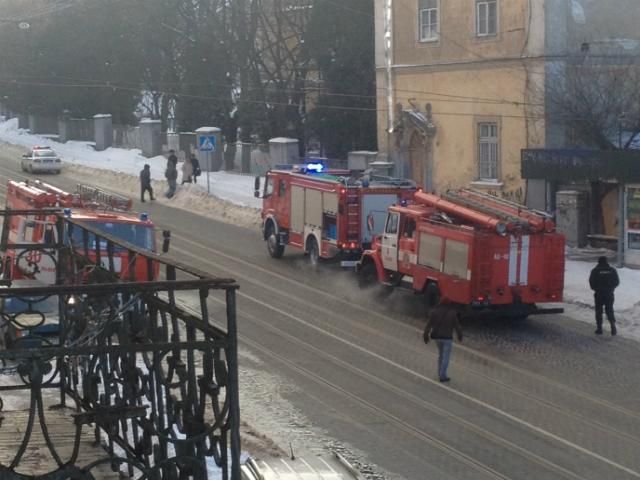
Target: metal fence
155,378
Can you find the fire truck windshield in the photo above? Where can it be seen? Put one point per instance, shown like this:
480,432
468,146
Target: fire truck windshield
139,235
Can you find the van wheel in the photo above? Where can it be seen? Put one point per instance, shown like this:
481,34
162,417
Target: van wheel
313,251
367,275
275,248
432,294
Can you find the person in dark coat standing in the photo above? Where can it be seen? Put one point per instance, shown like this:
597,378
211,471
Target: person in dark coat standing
145,182
603,281
195,163
172,158
171,174
442,322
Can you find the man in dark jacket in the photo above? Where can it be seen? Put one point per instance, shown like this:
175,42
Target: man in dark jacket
196,167
171,174
172,158
145,183
603,281
442,321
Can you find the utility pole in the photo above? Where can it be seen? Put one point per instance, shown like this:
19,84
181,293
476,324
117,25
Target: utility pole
621,212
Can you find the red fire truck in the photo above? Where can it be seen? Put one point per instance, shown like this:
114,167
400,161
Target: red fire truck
329,214
96,208
471,249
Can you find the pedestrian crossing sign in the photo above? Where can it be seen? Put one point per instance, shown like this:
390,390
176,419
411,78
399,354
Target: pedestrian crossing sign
207,143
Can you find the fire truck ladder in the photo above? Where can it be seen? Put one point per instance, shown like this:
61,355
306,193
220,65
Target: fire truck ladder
88,193
486,209
353,214
537,219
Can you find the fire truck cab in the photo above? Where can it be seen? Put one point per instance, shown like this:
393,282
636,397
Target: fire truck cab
471,249
327,213
94,207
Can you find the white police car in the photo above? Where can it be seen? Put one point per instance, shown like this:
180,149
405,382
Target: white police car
41,159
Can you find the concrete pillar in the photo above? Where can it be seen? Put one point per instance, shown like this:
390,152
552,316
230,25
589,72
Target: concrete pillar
187,143
23,121
151,137
572,216
245,157
103,131
284,151
209,144
33,123
64,134
360,160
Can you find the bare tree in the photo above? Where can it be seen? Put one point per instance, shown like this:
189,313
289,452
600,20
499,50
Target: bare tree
598,102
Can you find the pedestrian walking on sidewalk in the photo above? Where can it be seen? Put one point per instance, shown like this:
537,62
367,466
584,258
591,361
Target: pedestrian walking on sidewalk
145,183
603,281
187,170
195,164
171,174
441,323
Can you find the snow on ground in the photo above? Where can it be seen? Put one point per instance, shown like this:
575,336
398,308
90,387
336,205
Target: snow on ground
83,161
579,297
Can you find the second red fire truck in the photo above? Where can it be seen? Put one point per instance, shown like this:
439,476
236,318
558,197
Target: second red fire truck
327,213
471,249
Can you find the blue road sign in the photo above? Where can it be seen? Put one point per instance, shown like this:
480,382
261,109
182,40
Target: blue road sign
207,143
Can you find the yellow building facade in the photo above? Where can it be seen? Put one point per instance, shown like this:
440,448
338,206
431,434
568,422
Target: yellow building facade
460,90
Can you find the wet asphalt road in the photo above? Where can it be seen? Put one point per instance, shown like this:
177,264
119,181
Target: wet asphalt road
536,399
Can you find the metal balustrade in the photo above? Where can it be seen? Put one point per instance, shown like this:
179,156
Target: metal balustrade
149,367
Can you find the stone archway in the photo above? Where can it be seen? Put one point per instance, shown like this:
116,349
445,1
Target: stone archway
417,158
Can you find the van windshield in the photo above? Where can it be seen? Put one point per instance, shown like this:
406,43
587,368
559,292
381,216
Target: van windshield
141,236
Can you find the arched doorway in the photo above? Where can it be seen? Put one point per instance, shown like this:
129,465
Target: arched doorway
417,158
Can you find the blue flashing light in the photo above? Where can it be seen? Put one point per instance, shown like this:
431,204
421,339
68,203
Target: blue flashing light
144,216
67,212
314,167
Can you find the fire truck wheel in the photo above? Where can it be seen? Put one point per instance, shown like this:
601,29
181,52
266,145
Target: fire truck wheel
313,251
432,294
276,249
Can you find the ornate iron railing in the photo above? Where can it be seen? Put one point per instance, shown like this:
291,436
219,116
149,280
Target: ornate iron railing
150,366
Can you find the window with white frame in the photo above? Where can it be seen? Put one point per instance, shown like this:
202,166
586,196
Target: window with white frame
429,20
486,17
488,152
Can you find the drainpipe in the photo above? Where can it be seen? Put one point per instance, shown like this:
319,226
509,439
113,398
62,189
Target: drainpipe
388,53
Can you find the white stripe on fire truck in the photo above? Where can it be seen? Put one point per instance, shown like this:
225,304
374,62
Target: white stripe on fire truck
513,260
524,261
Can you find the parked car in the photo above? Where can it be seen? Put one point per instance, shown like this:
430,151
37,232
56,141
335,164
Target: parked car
41,159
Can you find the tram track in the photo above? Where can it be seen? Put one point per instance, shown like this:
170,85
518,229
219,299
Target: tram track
417,401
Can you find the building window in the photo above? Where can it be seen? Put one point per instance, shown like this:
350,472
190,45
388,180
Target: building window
486,17
428,15
488,151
